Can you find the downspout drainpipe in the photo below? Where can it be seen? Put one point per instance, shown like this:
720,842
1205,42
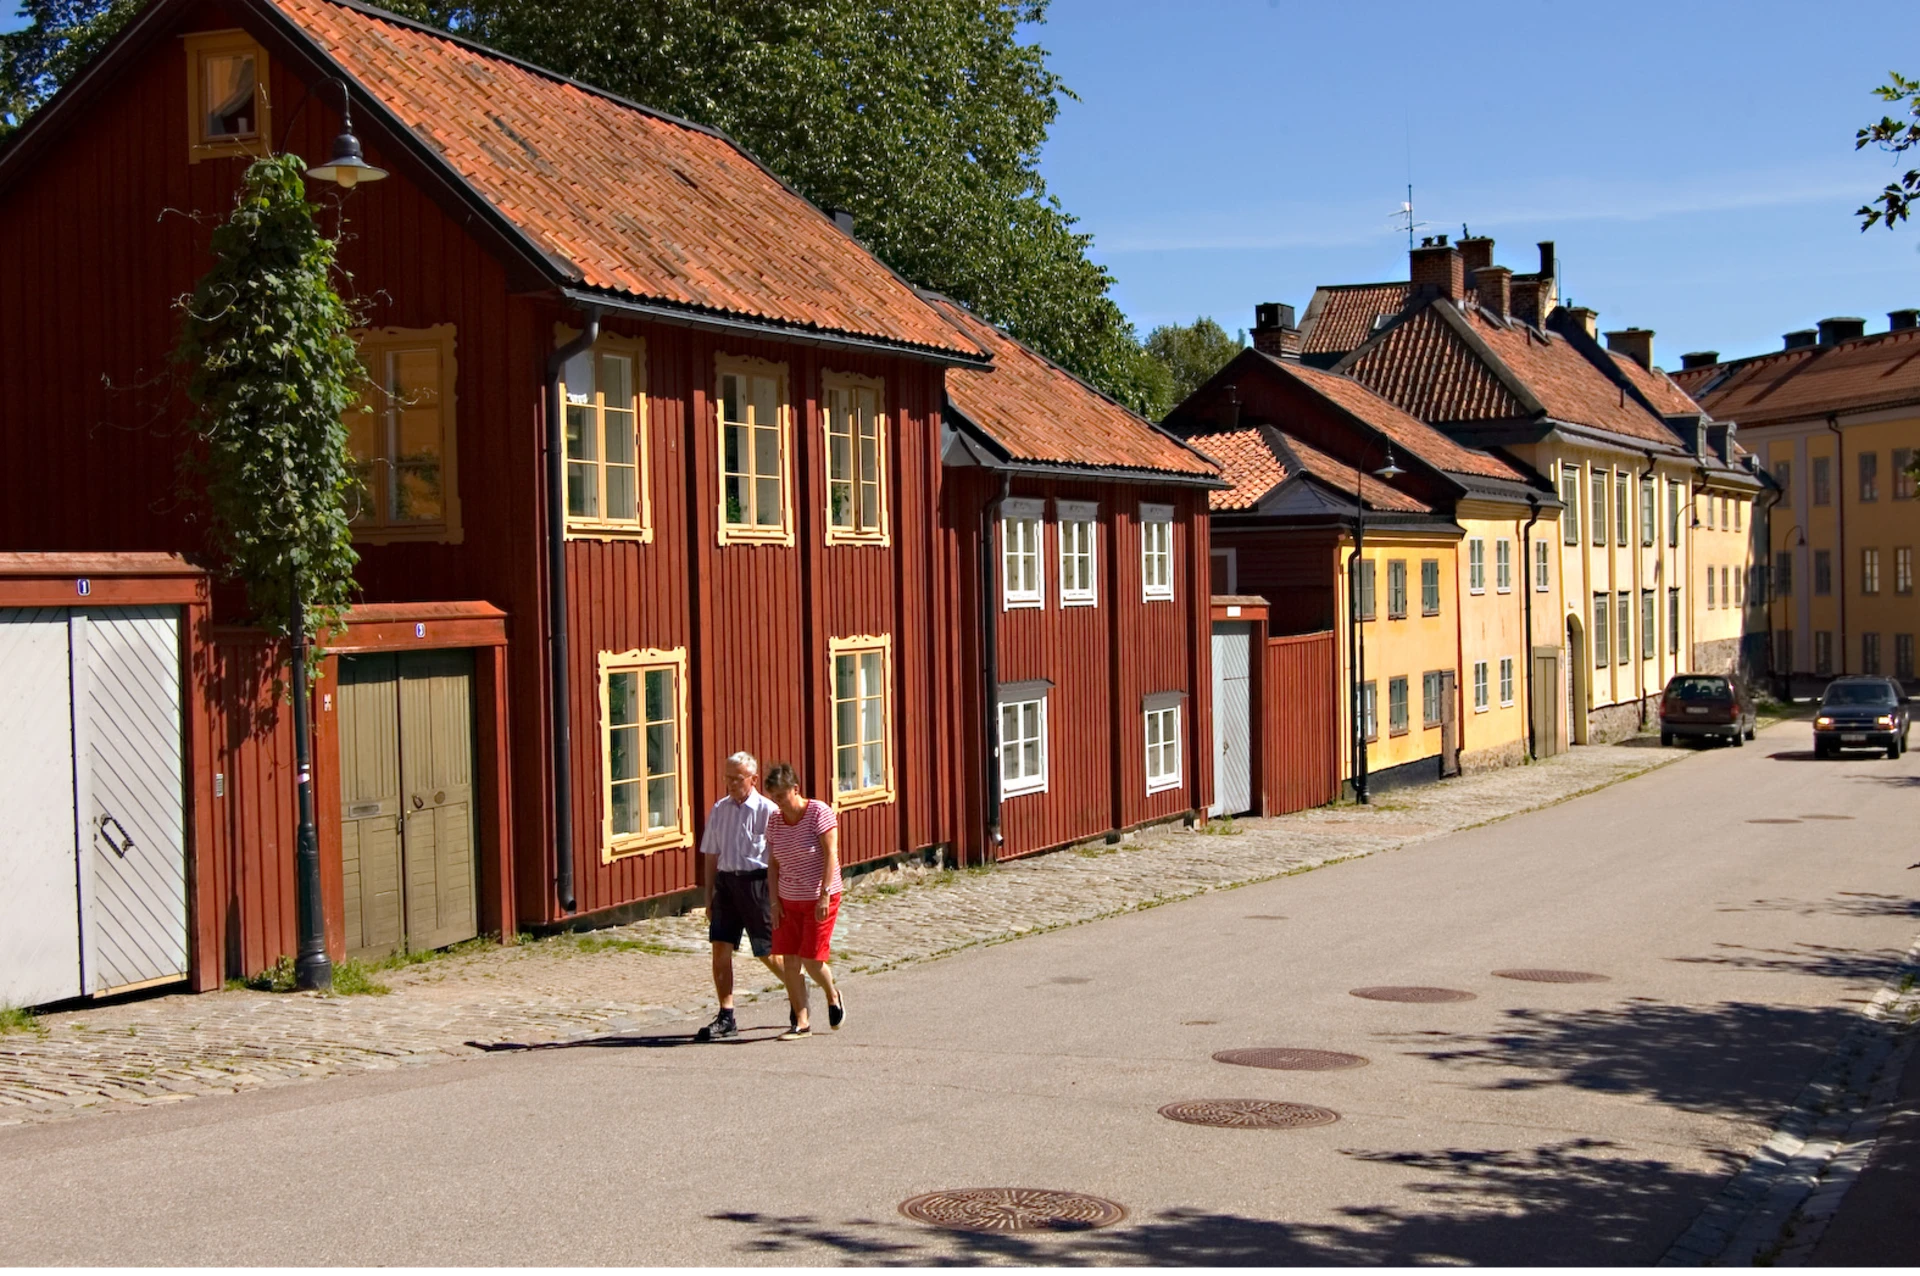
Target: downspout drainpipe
1640,587
1840,528
1762,532
990,662
557,609
1526,606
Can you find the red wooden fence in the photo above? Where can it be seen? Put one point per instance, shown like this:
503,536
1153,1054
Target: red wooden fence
1301,721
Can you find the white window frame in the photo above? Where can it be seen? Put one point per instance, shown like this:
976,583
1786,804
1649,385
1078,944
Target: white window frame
1506,682
1476,565
1503,565
1023,537
1156,559
1026,699
1480,686
1167,719
1084,515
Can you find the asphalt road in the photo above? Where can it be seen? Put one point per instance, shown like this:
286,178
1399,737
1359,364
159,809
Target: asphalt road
1539,1123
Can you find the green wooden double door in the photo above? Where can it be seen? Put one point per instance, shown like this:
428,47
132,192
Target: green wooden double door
406,801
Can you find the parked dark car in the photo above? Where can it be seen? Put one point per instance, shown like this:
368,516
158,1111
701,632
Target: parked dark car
1705,706
1862,713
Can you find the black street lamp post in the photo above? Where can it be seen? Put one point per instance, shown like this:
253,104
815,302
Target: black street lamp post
1356,633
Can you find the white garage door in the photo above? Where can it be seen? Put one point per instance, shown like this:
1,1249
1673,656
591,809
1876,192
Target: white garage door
39,904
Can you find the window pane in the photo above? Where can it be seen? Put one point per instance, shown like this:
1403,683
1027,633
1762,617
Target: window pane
621,707
620,439
734,461
732,402
660,753
847,768
843,678
616,380
623,492
766,406
626,816
663,803
229,95
871,668
583,495
767,510
873,720
623,754
874,769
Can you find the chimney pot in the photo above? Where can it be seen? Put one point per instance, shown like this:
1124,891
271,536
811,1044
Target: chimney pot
842,218
1274,332
1841,328
1476,253
1699,358
1494,286
1901,320
1546,259
1798,338
1635,343
1437,269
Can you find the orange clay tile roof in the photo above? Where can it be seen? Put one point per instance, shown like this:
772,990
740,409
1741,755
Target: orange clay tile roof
639,203
1347,313
1037,411
1878,371
1412,434
1258,460
1661,390
1423,365
1691,379
1570,388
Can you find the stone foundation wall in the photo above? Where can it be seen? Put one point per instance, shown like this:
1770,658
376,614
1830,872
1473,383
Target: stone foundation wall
1618,721
1722,655
1512,753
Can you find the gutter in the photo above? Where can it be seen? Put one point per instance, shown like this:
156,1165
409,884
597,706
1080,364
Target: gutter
557,609
1526,604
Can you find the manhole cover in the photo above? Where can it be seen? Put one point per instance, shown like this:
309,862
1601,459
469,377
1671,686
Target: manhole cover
1554,976
1250,1114
1773,821
1391,993
1826,817
1290,1059
1012,1209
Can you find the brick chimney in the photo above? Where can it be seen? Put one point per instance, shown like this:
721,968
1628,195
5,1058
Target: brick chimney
1494,284
1901,320
1834,331
1635,343
1476,253
1437,269
1273,330
1587,320
1529,300
1699,358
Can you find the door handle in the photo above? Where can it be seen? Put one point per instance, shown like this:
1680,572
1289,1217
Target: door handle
125,843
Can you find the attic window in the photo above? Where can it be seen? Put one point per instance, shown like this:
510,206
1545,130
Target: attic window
227,107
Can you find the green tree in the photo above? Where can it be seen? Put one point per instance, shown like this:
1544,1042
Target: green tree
1896,137
1189,354
272,371
924,120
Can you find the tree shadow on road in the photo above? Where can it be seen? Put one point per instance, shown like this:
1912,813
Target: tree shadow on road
1735,1059
1856,904
1575,1201
1866,965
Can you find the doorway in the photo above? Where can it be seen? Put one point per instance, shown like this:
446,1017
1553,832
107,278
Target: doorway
1577,676
1232,718
408,866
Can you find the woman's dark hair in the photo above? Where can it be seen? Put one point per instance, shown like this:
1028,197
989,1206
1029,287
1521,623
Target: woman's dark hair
781,777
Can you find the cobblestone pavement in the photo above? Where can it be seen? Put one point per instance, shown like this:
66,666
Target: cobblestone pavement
172,1048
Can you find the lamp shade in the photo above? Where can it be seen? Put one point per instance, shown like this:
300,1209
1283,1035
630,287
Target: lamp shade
348,166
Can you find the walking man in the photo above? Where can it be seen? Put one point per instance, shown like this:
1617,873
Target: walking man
735,848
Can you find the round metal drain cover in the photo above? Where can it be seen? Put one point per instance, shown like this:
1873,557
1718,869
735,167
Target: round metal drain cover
1250,1114
1290,1059
1773,821
1012,1209
1391,993
1554,976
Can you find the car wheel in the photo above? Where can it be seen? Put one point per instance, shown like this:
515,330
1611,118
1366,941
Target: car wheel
1666,739
1750,731
1893,750
1821,751
1739,739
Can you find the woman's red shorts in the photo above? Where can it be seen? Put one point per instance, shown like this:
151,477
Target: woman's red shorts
800,934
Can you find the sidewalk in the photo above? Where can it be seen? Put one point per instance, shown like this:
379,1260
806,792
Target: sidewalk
1877,1223
173,1048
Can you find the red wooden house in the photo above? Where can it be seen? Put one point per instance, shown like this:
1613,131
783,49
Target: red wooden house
653,474
1077,534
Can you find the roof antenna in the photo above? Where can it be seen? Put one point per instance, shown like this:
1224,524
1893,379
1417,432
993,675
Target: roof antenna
1404,218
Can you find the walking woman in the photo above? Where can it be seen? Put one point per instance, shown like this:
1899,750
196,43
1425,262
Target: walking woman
803,862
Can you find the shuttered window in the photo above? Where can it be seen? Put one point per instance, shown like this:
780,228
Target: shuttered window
1570,497
1506,680
754,480
1476,566
856,460
1430,586
643,712
1503,566
862,684
1397,711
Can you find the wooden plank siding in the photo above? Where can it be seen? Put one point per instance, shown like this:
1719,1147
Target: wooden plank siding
1102,661
1300,718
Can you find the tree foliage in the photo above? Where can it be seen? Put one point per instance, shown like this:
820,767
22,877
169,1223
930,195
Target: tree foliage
1896,137
1190,353
272,372
59,39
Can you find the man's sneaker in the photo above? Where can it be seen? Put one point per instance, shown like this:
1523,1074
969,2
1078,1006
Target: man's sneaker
722,1026
837,1012
795,1033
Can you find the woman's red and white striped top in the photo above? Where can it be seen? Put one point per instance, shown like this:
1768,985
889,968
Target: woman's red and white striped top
796,848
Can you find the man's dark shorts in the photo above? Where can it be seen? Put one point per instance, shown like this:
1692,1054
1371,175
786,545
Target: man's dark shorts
740,903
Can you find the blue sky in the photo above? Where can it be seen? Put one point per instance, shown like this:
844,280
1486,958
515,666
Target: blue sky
1693,161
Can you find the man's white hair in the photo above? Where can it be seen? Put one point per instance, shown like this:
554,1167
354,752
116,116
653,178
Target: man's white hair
746,762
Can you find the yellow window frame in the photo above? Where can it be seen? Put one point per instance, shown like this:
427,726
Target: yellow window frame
853,386
199,47
375,345
646,841
640,527
854,647
752,532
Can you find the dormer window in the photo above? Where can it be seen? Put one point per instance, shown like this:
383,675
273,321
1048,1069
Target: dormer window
227,107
